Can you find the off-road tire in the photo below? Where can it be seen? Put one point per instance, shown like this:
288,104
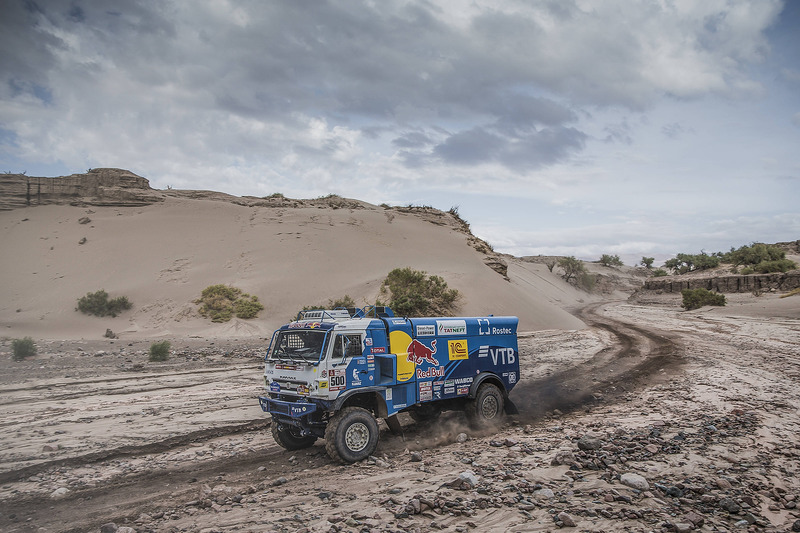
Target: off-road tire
351,435
289,437
486,408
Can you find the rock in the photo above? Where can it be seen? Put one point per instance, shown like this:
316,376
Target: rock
652,448
730,505
416,457
566,519
59,493
563,457
48,448
109,527
125,529
468,476
683,527
544,493
462,438
279,481
796,525
723,484
695,518
588,443
634,481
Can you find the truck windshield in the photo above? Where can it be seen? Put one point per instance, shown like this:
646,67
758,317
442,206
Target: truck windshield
302,345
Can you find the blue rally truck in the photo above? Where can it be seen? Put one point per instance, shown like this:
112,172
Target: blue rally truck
332,373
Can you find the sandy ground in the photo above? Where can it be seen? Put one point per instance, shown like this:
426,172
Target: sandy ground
702,405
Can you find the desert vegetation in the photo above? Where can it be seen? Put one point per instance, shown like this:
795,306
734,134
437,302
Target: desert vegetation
414,293
220,303
610,260
98,304
22,348
575,272
159,351
754,258
697,298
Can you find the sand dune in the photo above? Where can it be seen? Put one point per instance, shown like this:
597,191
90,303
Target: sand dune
162,256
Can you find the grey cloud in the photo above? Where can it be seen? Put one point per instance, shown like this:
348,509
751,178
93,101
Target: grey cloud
526,152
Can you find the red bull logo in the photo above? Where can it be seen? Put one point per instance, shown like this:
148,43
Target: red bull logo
418,353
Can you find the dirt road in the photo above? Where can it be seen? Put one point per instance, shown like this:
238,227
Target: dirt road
704,408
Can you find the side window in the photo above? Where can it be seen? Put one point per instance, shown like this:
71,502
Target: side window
346,346
353,345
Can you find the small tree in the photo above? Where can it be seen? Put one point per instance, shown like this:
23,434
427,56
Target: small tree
647,262
610,260
22,348
159,351
572,267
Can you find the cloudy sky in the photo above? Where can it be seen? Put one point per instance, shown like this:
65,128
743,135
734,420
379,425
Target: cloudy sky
573,127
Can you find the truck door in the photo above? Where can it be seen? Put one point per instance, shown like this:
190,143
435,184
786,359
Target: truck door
349,362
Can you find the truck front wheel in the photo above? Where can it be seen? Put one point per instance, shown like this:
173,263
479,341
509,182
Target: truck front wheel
487,407
289,437
351,435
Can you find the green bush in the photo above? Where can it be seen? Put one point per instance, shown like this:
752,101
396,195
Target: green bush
697,298
98,304
659,273
159,351
22,348
414,293
754,254
683,263
610,260
220,303
780,265
647,262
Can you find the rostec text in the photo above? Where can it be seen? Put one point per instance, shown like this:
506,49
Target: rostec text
501,331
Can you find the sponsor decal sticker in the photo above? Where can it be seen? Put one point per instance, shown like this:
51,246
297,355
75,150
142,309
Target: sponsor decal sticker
368,341
462,390
337,379
432,372
275,386
451,327
512,377
426,330
457,349
379,349
449,390
418,353
323,384
287,367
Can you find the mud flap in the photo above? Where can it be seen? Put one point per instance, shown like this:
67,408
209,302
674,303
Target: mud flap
510,407
394,425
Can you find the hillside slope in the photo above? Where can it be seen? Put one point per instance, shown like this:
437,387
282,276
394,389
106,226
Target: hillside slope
288,253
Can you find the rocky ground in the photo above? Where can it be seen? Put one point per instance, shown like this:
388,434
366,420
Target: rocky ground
653,419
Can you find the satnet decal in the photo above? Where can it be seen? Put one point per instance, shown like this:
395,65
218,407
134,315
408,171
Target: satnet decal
451,327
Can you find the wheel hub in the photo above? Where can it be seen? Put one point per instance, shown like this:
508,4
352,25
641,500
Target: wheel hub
357,437
489,407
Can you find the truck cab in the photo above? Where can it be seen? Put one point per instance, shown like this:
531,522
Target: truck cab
332,373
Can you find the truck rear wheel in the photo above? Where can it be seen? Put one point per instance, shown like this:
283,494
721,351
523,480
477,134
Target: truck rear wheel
487,407
351,435
289,437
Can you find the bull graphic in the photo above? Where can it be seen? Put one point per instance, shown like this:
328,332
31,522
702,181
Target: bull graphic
418,353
